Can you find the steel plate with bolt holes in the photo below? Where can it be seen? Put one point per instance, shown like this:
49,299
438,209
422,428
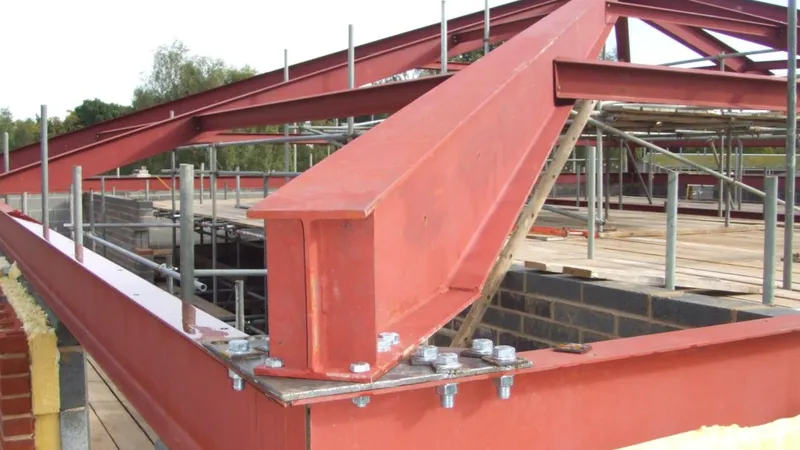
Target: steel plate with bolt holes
291,390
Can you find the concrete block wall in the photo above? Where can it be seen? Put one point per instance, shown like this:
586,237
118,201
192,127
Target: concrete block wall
535,310
58,203
122,210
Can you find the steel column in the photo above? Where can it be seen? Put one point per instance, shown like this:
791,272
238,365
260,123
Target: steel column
791,145
314,233
770,227
187,233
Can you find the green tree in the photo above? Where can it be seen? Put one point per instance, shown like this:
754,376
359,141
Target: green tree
94,111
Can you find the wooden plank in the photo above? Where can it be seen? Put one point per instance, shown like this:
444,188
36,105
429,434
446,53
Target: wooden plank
634,272
226,210
119,424
100,439
107,395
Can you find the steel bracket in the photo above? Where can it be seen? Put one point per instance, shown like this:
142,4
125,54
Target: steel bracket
290,391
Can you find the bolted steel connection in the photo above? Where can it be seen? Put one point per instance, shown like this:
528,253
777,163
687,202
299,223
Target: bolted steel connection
238,346
447,361
503,385
447,393
273,362
482,347
504,354
425,354
386,340
359,367
238,382
361,401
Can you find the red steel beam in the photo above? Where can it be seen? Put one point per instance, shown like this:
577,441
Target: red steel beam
705,9
81,138
451,66
752,30
156,138
756,9
759,66
622,34
216,137
623,392
381,98
607,80
703,43
336,255
149,344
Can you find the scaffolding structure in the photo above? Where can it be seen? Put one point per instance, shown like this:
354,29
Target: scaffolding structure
364,263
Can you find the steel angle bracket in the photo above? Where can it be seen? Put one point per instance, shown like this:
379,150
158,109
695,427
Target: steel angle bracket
296,391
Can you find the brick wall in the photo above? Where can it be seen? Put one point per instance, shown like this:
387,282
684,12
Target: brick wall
122,210
535,310
16,406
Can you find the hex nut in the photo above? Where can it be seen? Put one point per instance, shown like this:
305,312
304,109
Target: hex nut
426,353
482,347
238,346
359,367
446,359
504,353
273,363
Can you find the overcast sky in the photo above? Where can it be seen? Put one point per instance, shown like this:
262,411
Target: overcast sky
62,52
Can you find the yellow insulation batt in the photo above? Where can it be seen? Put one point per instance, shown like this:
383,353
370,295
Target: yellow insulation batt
44,357
783,434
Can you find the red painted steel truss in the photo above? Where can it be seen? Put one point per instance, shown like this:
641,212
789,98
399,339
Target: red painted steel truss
366,242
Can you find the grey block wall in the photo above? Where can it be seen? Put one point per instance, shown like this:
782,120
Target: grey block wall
536,310
122,210
58,203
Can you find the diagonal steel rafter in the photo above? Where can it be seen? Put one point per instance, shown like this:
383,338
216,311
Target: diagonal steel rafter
333,233
317,68
162,136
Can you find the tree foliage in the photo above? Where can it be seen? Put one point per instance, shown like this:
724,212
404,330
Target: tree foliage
176,73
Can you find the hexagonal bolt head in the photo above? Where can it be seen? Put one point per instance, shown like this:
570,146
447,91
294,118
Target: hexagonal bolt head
447,392
447,361
503,385
359,367
361,401
426,353
273,363
482,347
504,353
238,346
390,337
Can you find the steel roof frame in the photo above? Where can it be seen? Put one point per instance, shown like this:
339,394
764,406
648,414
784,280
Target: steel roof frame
351,261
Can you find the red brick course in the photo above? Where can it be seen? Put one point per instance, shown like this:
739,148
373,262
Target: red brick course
16,417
